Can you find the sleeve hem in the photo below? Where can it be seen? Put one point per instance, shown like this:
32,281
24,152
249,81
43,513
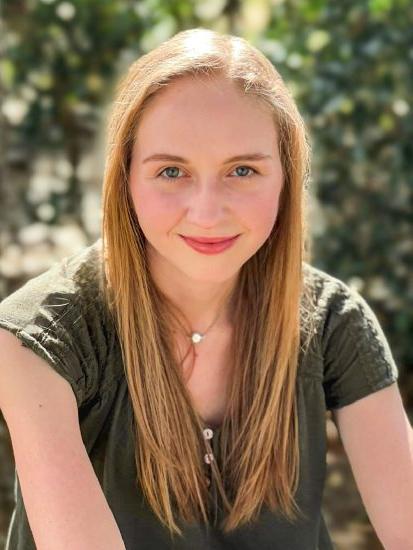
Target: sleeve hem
360,393
53,361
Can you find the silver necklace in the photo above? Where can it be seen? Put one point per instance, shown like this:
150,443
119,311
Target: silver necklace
197,336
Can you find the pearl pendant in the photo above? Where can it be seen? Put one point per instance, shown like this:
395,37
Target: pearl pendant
196,337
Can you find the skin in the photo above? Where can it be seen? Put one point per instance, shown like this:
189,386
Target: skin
205,121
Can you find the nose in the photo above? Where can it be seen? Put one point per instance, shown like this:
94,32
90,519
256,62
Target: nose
206,205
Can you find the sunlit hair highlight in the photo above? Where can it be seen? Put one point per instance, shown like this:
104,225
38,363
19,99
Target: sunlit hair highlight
260,458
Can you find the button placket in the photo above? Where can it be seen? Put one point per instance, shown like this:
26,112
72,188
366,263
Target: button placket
208,434
212,447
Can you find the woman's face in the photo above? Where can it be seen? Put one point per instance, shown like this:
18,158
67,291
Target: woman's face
205,192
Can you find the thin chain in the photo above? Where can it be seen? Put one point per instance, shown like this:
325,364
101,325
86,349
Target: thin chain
202,334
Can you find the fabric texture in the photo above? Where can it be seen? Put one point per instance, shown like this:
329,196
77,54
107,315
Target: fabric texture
61,316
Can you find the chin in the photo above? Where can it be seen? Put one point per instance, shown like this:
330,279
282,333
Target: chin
208,275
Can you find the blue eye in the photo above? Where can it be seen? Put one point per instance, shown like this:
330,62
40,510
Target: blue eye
168,168
246,175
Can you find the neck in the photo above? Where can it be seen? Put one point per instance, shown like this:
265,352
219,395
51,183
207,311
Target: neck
199,301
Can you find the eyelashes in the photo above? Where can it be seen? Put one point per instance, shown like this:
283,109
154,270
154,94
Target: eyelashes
253,170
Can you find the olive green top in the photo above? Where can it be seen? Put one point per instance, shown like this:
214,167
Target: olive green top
61,316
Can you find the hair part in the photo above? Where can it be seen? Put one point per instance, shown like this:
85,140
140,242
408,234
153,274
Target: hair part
259,435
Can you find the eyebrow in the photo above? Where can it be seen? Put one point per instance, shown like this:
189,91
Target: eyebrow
175,158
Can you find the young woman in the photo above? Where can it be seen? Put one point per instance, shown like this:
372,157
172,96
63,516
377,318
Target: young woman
194,349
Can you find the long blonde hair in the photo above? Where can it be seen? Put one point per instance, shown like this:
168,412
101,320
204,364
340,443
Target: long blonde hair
259,437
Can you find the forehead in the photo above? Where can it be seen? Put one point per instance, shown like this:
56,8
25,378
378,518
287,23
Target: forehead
199,109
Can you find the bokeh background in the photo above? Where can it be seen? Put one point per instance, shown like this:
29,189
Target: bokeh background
348,64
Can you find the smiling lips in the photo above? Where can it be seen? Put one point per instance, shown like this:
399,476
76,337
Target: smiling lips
210,245
209,239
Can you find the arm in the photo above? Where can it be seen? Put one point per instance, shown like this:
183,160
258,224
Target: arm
378,440
65,504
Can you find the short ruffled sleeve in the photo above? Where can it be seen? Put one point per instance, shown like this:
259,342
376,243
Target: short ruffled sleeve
357,357
59,325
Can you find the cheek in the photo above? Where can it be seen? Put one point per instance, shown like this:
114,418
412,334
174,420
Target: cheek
155,211
260,212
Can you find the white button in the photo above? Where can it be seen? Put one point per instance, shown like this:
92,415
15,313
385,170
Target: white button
209,457
208,481
208,433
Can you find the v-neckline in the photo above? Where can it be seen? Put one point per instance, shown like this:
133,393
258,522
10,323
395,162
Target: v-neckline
215,429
